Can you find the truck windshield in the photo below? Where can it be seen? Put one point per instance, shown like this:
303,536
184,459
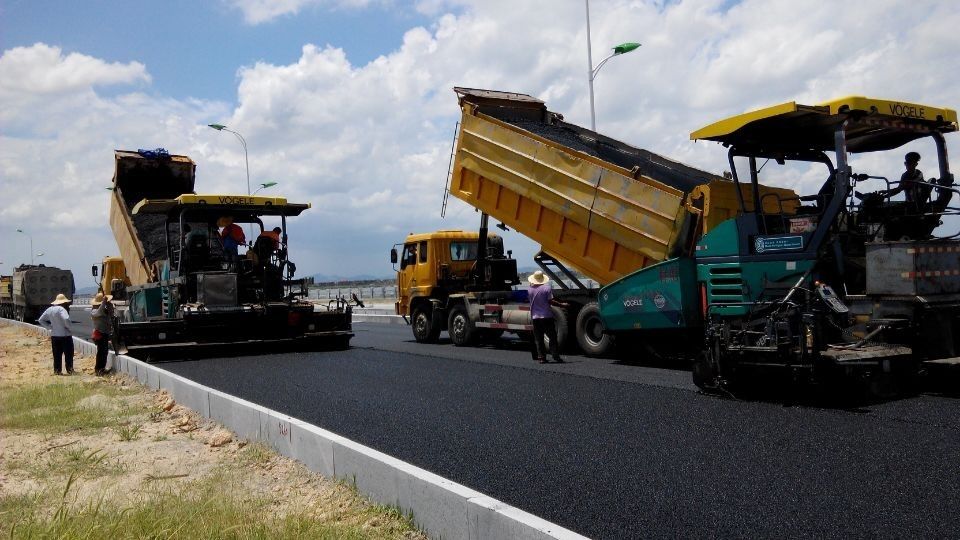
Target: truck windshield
463,251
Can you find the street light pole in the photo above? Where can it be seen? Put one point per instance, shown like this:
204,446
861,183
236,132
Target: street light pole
30,236
246,159
590,71
623,48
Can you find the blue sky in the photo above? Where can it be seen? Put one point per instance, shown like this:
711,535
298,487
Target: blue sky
194,48
348,103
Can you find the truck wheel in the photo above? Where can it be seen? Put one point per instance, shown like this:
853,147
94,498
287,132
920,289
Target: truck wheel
425,329
563,329
460,327
589,329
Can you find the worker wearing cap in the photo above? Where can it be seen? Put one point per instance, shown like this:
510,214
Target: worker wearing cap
915,190
57,319
540,295
101,312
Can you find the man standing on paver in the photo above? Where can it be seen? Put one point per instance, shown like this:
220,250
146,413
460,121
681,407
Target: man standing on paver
57,319
540,295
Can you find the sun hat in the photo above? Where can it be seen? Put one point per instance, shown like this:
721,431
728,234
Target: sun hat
538,278
98,299
61,299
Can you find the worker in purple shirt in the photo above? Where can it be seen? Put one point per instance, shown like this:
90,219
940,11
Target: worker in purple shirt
541,298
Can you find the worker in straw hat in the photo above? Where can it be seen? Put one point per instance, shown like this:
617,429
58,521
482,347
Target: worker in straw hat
540,295
101,311
57,319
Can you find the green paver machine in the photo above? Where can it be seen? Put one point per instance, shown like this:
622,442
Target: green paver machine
833,283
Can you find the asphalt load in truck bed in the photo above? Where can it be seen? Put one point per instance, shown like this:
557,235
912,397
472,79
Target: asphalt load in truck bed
611,459
150,230
661,169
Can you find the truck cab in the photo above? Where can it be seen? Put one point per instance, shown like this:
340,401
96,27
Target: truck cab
432,266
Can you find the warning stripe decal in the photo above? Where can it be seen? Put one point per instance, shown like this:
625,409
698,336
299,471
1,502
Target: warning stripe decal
935,249
929,274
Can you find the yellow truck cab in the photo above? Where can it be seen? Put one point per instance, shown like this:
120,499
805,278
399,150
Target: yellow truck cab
113,276
433,266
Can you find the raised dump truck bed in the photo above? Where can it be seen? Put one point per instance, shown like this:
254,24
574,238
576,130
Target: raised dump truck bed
141,176
603,206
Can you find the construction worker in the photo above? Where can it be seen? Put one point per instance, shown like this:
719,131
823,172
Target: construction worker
231,237
57,319
101,312
273,235
540,295
915,190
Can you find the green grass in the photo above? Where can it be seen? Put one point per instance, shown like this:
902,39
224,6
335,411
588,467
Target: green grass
127,432
73,460
255,453
54,407
170,506
205,509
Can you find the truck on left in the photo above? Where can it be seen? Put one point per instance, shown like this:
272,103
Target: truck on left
190,295
25,294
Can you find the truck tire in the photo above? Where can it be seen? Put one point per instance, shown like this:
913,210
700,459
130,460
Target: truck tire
562,324
425,329
460,327
589,330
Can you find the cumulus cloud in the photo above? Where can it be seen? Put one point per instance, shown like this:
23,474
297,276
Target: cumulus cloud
369,144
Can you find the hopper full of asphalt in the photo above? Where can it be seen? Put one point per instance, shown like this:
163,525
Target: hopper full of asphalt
620,458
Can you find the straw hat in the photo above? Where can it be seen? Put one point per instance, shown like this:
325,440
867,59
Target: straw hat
538,278
61,299
98,299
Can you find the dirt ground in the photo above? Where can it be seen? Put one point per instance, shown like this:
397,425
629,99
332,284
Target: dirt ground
171,445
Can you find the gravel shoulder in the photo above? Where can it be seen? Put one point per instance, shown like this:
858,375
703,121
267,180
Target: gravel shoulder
79,453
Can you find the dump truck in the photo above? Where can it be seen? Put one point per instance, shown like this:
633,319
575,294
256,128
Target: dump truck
189,293
838,282
28,292
598,205
112,277
6,297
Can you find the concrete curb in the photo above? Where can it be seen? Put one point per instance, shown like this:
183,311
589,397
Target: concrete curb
442,508
379,319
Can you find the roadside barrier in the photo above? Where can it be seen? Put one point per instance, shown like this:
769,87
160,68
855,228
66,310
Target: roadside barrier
442,508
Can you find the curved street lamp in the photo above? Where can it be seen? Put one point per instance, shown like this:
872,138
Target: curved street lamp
622,48
221,127
264,186
31,243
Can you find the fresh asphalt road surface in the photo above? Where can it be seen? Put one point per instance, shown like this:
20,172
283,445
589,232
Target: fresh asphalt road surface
616,451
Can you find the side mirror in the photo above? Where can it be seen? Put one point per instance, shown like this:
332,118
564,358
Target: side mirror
93,270
393,255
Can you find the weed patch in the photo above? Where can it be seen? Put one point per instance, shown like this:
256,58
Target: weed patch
54,407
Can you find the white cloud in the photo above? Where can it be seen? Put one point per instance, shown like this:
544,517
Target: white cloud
261,11
369,144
